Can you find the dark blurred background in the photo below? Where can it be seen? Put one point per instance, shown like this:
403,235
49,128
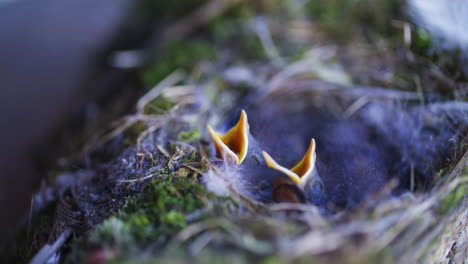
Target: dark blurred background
50,54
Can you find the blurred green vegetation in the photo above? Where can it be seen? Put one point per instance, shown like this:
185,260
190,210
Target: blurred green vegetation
453,199
345,18
232,30
189,136
132,133
158,106
450,61
167,10
178,55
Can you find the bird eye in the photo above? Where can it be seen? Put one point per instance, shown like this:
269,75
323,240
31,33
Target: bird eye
317,186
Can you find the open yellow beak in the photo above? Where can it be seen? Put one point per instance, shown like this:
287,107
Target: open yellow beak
300,173
234,144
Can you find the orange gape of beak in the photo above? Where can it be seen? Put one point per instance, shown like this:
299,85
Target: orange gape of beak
234,144
300,173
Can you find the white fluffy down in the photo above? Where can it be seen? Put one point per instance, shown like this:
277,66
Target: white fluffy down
215,183
227,178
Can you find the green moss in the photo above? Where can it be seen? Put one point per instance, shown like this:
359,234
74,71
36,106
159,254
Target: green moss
178,55
155,214
422,44
174,218
189,136
421,40
453,199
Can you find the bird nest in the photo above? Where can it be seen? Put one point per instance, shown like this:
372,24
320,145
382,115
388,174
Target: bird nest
151,201
160,210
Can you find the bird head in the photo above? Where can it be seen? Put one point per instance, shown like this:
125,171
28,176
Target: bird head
297,184
304,174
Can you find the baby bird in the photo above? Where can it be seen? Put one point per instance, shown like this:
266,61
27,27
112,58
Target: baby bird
352,160
263,178
303,174
356,156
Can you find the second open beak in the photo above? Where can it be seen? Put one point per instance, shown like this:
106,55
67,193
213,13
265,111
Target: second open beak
300,173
